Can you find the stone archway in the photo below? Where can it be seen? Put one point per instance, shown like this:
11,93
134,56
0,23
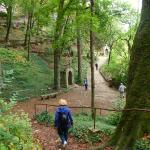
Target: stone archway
66,77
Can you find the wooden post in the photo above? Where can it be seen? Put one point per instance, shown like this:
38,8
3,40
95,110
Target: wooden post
46,107
94,118
35,109
100,111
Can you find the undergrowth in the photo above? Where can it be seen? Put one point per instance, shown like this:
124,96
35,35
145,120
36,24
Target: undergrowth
116,70
15,130
82,129
26,78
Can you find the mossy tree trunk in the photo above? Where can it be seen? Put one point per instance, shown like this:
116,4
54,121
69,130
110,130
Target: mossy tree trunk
110,52
27,30
79,56
56,44
79,46
92,61
9,21
134,124
29,35
27,41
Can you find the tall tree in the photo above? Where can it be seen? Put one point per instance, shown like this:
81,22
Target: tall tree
92,60
28,9
78,45
56,44
59,40
30,12
8,4
134,124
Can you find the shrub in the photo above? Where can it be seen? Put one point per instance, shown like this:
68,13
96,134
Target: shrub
15,130
115,117
43,117
83,134
82,128
116,70
142,144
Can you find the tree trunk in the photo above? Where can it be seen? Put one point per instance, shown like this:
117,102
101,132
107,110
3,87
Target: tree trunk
29,25
92,62
56,45
79,56
110,52
9,20
129,44
56,70
78,49
1,76
134,124
27,31
28,34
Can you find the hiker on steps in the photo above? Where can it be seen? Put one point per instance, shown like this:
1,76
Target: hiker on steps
85,83
122,90
96,66
63,121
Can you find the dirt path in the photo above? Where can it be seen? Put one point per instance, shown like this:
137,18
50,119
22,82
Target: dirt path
104,95
77,96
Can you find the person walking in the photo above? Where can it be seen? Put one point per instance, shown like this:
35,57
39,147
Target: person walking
63,121
86,83
122,90
96,65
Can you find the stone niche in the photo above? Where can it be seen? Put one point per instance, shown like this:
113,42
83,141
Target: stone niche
66,77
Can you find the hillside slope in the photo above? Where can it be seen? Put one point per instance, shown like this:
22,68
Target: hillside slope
23,78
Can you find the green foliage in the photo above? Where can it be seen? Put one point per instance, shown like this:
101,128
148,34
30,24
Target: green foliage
15,130
3,14
84,68
48,56
83,124
43,117
83,134
116,70
27,78
142,144
82,128
115,117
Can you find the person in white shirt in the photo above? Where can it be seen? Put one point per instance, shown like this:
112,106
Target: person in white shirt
122,90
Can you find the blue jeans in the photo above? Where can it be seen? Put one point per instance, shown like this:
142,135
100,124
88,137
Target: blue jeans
63,134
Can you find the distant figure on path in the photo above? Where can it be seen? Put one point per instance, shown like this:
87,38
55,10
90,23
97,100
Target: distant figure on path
122,90
96,65
63,121
86,83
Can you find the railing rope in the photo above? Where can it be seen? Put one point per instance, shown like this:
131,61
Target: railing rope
100,108
88,107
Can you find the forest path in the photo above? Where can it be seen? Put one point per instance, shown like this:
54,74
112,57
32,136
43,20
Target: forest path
104,95
75,97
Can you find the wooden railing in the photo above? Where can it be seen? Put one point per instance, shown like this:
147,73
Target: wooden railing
82,107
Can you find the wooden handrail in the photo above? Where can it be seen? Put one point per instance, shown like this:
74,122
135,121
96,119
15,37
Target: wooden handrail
100,108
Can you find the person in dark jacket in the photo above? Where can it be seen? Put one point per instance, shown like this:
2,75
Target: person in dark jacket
96,66
85,83
63,121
